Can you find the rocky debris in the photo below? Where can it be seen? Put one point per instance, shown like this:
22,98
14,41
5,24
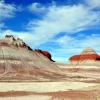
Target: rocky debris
19,62
87,54
45,53
10,40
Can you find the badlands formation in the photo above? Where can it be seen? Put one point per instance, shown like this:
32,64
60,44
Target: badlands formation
18,62
27,74
83,67
87,57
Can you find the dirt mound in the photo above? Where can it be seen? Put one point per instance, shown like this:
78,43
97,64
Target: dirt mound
88,51
87,54
85,57
45,53
19,62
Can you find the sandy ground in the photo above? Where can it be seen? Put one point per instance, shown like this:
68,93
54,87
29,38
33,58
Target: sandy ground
64,95
44,86
80,84
50,91
34,97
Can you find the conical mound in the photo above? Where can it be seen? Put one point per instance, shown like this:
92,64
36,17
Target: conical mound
19,62
88,57
88,51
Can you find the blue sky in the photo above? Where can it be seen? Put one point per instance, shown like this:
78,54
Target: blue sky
62,27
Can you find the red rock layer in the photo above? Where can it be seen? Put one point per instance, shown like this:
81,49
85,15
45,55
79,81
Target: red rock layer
45,53
85,57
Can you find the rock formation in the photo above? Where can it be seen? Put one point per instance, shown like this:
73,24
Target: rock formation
87,54
45,53
19,62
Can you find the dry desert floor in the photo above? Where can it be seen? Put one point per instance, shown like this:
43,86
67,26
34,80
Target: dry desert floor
49,91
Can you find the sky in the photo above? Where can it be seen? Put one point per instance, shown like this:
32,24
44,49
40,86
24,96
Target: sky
62,27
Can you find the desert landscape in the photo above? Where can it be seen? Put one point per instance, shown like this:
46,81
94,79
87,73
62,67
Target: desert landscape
50,91
33,75
49,49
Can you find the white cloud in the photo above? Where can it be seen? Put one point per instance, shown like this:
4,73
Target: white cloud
69,19
92,41
65,40
36,7
93,3
6,11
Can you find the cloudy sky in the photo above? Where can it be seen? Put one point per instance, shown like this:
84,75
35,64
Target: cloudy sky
62,27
